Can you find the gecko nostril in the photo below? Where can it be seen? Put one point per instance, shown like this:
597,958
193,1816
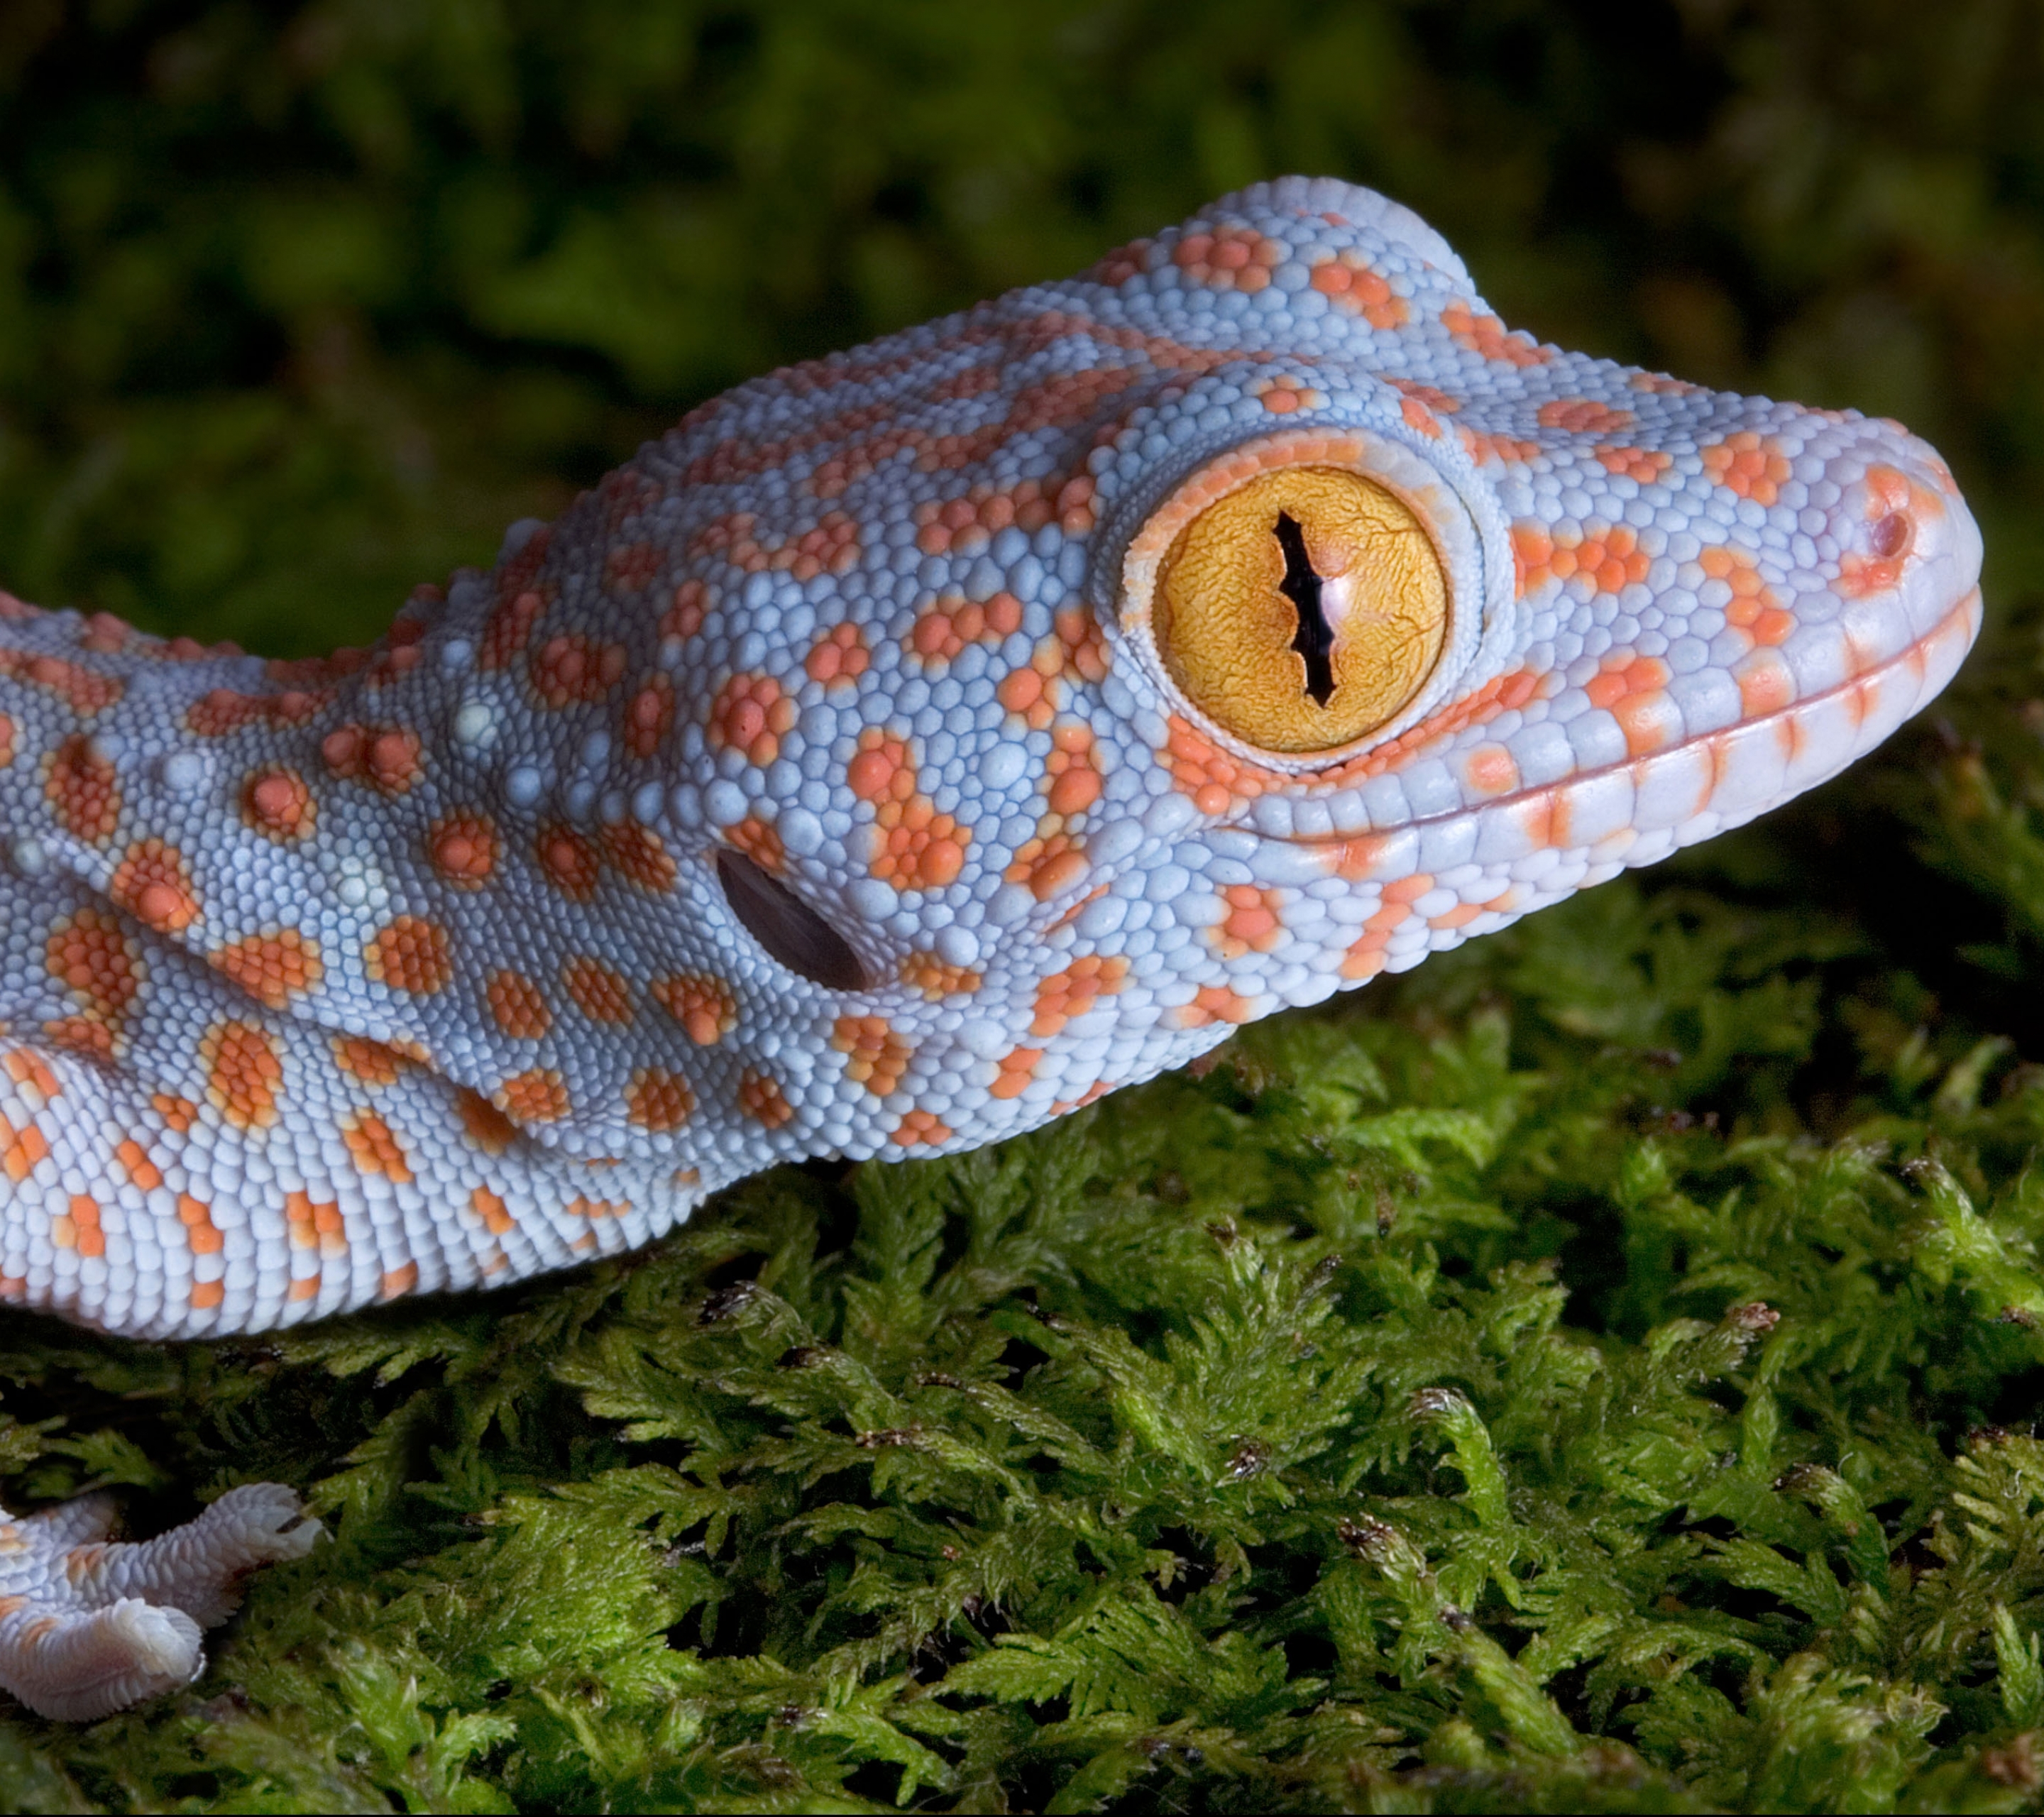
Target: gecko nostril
1891,536
787,926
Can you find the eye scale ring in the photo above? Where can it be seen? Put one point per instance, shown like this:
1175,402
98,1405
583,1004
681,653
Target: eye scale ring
1302,610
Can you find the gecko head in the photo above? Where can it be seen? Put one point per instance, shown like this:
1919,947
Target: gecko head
1250,615
1363,630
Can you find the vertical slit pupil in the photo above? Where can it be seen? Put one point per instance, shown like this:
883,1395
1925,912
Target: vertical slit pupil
1301,585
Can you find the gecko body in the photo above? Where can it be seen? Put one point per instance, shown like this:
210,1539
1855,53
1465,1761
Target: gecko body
910,747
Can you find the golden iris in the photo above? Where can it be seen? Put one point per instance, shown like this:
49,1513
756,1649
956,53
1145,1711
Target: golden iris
1302,610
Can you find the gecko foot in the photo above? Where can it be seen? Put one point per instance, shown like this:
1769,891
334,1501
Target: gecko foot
89,1627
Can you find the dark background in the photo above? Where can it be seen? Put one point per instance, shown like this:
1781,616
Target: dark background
300,304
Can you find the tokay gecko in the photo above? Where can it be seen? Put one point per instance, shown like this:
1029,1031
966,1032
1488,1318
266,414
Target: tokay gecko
910,747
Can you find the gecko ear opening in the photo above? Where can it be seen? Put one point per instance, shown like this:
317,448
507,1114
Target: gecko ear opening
787,926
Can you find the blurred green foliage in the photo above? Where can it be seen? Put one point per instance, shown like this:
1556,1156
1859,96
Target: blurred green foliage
299,304
1596,1372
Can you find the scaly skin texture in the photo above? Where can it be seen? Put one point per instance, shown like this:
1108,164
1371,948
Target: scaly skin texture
441,964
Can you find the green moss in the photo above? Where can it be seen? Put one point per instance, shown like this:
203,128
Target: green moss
1595,1372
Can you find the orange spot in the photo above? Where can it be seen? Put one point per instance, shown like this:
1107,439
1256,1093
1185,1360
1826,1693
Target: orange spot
1071,782
1348,281
631,567
242,1073
1216,1003
599,992
758,842
463,849
1747,465
20,1149
178,1114
516,1006
1065,996
495,1214
1018,1066
649,715
83,1036
1491,770
1631,688
80,1229
539,1096
573,669
152,883
398,1282
276,803
1118,266
704,1005
409,954
879,1056
919,1129
832,545
1418,417
1488,336
1753,607
1229,258
141,1170
945,627
207,1294
375,1063
570,861
83,789
1583,416
272,968
1049,866
1431,395
1489,450
508,629
1253,924
965,525
314,1225
83,690
759,1097
1030,693
839,654
1766,683
1611,558
926,972
90,955
1645,465
1080,649
385,758
684,616
26,1068
203,1234
637,851
914,846
658,1099
223,710
487,1127
750,714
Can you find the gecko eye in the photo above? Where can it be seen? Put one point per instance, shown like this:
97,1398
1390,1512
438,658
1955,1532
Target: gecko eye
1303,610
787,926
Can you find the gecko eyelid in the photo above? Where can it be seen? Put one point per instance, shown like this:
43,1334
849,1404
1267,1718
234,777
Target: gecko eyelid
787,926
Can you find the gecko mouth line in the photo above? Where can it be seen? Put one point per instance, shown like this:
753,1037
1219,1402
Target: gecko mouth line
1917,650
